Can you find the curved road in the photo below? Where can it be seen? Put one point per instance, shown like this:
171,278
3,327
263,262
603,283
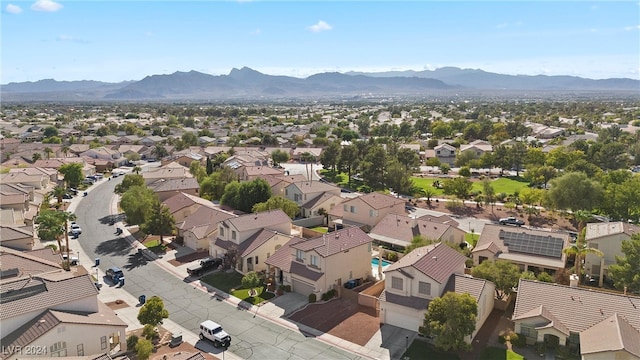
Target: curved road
253,337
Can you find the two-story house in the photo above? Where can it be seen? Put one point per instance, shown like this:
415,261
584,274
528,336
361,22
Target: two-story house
169,171
104,158
166,188
396,231
478,147
309,195
366,211
253,237
319,264
424,274
200,227
446,153
606,237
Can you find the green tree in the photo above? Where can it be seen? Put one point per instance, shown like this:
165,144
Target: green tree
279,156
35,157
330,156
153,312
544,277
502,273
159,151
197,170
136,203
59,192
52,224
575,191
129,181
489,193
50,131
243,196
278,202
398,177
251,280
450,319
373,167
460,187
625,271
72,174
159,221
580,250
212,187
349,161
48,152
133,156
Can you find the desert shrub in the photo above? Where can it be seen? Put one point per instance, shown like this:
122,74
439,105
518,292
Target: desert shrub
143,349
54,247
454,205
132,340
392,256
312,298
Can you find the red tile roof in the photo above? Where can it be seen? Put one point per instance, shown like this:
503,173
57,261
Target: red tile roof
438,261
335,242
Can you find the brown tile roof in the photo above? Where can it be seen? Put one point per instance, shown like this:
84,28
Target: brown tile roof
577,308
443,219
408,301
182,200
463,284
404,228
27,263
259,220
282,258
438,261
30,331
303,271
611,334
321,198
8,233
255,241
378,200
205,215
307,187
174,184
46,254
497,234
262,170
24,295
335,242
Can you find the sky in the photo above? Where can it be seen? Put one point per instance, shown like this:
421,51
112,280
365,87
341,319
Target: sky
121,40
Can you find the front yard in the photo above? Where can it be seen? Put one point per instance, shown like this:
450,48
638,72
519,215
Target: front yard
230,283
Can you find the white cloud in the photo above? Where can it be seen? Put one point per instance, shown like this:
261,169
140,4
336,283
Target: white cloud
46,5
629,28
13,9
256,32
320,26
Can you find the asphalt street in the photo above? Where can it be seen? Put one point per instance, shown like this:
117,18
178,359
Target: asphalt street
253,337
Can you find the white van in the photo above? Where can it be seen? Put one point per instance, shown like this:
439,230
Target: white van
213,331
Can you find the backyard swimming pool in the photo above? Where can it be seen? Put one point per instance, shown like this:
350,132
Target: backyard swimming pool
374,262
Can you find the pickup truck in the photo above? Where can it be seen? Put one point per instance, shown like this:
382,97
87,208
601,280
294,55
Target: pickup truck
204,265
511,221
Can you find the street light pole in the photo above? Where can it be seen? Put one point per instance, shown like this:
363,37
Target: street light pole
78,257
406,343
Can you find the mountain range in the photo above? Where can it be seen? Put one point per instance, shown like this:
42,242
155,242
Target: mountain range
249,84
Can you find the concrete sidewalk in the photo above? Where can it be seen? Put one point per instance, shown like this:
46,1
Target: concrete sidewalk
273,310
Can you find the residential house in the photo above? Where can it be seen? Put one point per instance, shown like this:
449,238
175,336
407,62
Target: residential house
309,195
279,183
200,228
606,237
104,158
603,325
167,188
182,205
37,181
17,237
322,263
248,173
297,153
53,309
396,231
478,147
18,205
366,211
254,237
169,171
446,153
531,250
425,273
185,159
51,173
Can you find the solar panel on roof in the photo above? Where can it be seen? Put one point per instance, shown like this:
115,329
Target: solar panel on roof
542,245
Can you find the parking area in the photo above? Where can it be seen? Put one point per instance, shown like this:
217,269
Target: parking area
342,318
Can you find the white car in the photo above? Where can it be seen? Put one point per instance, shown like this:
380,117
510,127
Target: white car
213,331
75,229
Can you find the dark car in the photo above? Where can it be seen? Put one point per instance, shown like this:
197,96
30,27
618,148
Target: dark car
511,221
67,196
115,273
204,265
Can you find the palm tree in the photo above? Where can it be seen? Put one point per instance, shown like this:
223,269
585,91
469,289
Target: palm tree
48,152
580,250
136,169
59,192
67,217
65,150
581,217
36,156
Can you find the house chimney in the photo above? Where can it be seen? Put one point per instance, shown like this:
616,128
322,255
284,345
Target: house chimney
573,280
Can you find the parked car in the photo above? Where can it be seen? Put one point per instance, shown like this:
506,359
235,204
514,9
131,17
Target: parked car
67,196
511,220
114,274
213,332
75,229
204,265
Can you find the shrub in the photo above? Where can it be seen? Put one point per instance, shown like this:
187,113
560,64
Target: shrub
143,349
54,247
519,341
132,341
392,256
287,288
149,331
312,298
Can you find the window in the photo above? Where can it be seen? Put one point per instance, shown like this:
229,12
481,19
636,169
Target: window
396,283
256,259
233,235
345,207
314,260
353,209
528,331
103,343
424,288
80,348
373,213
221,231
300,255
286,192
58,349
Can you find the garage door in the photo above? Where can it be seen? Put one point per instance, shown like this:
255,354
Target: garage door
410,320
302,288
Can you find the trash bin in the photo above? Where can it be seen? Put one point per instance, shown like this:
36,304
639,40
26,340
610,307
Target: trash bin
121,281
97,262
142,299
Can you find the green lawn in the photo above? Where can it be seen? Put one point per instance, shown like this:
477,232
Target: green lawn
500,185
422,350
321,229
494,353
427,183
243,294
224,281
472,238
